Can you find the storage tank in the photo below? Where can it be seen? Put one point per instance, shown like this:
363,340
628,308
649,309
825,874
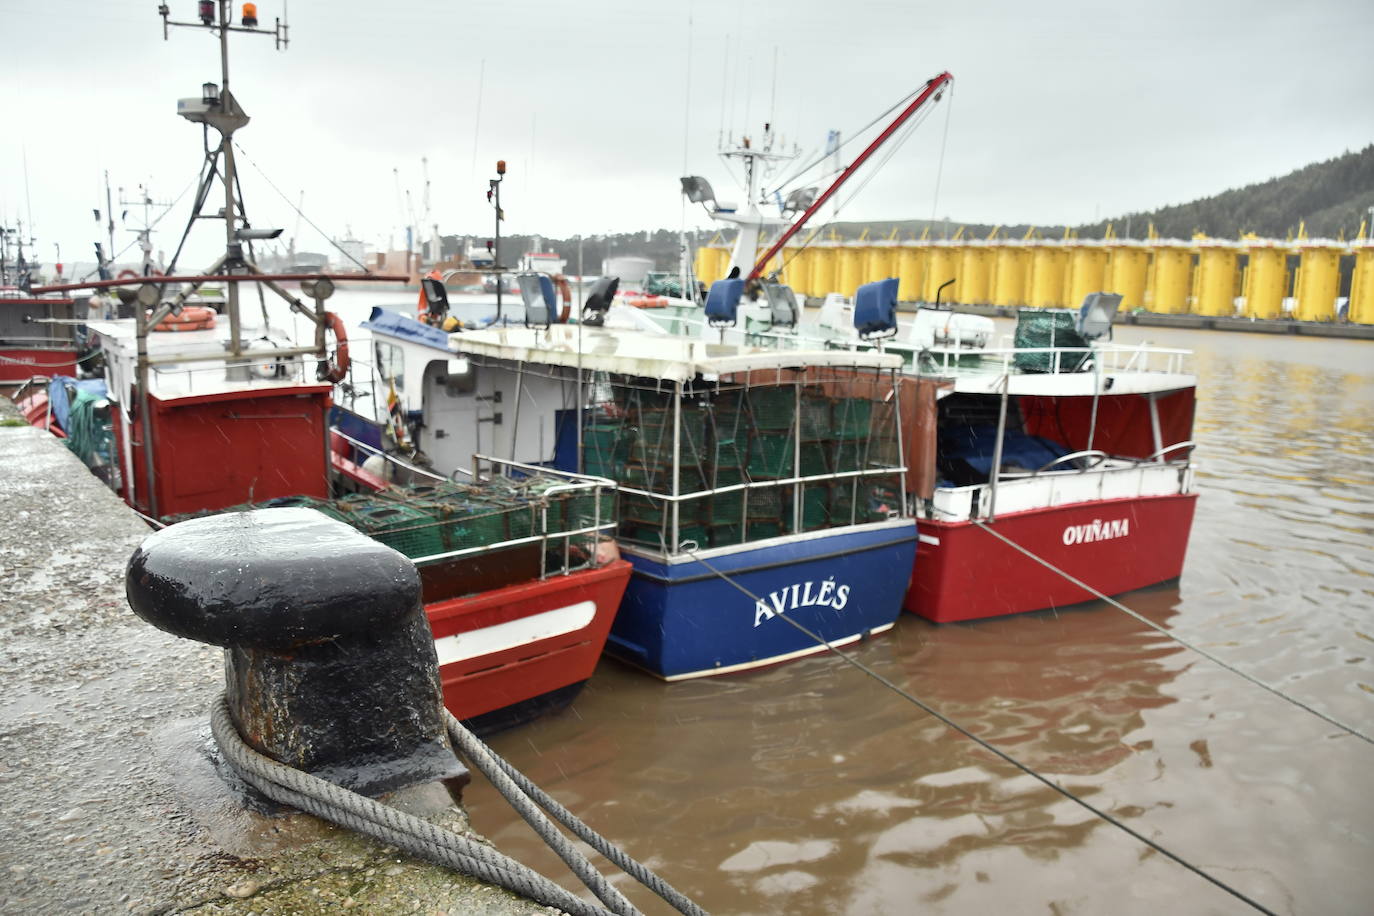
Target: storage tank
975,273
880,262
1048,268
1011,271
1128,264
1169,283
1362,283
711,261
1217,278
631,269
1318,282
822,273
796,267
1265,282
848,268
1087,271
943,264
911,270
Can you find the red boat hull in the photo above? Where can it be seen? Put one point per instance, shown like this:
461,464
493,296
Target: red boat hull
20,365
508,654
963,572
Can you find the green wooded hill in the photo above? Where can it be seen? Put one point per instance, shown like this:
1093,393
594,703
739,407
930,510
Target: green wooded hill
1331,197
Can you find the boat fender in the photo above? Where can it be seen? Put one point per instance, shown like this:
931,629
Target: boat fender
561,284
192,318
335,370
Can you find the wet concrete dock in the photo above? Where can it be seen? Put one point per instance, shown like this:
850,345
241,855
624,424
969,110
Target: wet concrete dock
111,801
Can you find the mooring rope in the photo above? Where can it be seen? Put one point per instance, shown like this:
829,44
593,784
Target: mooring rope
1176,638
441,845
690,548
487,761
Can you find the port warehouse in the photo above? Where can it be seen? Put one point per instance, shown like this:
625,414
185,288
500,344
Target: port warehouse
1250,277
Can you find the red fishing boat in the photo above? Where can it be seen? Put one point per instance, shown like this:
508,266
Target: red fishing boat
36,336
204,414
1039,466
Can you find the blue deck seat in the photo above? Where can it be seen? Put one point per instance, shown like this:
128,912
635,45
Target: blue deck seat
722,302
875,309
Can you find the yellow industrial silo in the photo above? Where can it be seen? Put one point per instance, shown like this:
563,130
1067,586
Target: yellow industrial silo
1011,270
911,270
943,265
797,273
1087,271
710,263
881,261
1217,278
786,263
1318,281
822,274
1169,282
1362,283
1128,264
975,273
1265,281
1048,268
849,260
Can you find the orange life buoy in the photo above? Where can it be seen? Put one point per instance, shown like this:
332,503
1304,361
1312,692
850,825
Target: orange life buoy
335,370
128,275
192,318
561,284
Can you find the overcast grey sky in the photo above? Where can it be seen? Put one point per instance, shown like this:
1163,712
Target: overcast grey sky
1061,111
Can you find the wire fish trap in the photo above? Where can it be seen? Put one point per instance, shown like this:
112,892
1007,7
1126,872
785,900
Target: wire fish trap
851,418
816,416
815,507
467,525
772,407
568,510
875,502
848,454
773,457
408,529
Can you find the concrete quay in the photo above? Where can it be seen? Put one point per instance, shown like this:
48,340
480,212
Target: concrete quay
112,802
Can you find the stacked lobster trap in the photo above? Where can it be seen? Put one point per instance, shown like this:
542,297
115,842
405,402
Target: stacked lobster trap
756,456
442,521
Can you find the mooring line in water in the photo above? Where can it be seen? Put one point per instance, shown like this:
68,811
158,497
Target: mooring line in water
690,548
445,846
1178,639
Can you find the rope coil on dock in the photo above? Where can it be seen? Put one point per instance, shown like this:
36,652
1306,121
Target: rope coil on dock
446,847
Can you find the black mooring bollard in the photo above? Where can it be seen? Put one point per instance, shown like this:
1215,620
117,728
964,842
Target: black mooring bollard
329,659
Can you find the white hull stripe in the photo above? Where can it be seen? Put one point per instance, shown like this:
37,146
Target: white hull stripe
502,636
929,539
764,662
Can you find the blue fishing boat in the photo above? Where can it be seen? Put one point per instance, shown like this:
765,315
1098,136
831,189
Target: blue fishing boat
761,491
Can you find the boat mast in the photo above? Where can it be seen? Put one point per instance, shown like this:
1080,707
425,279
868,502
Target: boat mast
933,88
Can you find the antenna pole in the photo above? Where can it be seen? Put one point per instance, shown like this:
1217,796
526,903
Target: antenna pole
232,246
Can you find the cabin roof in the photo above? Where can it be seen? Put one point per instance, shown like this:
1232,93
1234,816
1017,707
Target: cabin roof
667,357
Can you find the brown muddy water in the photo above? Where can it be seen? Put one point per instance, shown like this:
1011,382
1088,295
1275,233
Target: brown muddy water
811,789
